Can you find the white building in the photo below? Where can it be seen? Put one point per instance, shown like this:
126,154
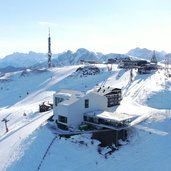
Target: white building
70,106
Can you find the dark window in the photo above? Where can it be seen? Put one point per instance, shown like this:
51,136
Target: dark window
86,103
101,121
85,118
112,101
58,100
62,119
61,126
114,98
91,119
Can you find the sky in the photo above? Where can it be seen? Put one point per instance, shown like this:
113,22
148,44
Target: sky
107,26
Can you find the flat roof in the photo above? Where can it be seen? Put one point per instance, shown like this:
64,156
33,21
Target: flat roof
70,96
114,116
69,92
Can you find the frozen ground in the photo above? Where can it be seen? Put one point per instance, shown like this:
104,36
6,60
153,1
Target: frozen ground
24,146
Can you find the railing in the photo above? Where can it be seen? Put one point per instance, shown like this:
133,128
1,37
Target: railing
106,122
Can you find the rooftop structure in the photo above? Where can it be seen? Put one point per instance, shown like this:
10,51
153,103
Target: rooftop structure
113,95
132,64
112,120
106,90
118,117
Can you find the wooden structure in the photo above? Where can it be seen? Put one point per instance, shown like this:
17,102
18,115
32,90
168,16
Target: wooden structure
45,107
114,97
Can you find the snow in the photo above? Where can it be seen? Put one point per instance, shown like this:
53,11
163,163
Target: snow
64,95
111,116
69,96
29,136
146,53
115,116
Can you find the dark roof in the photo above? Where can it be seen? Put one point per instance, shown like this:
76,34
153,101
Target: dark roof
106,90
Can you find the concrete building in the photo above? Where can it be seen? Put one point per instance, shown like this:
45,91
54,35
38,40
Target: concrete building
70,106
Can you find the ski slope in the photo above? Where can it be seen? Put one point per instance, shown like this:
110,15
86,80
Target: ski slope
25,145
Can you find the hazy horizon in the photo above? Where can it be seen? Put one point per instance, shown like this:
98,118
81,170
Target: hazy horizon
100,26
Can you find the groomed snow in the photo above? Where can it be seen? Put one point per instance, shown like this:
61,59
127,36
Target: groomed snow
24,146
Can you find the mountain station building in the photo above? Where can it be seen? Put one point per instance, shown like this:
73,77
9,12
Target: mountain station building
73,108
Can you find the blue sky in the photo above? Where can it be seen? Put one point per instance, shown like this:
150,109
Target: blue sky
98,25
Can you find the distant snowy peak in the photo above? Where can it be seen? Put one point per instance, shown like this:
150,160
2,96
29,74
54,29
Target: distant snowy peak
22,59
72,58
33,59
106,57
84,54
17,60
82,51
146,53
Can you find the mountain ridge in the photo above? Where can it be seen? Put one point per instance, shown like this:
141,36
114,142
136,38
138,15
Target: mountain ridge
34,59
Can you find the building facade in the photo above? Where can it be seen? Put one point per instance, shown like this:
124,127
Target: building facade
70,106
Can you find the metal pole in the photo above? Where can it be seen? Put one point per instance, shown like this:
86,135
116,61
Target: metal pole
116,138
5,121
124,135
6,126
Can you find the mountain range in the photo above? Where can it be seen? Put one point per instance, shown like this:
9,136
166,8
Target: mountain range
17,61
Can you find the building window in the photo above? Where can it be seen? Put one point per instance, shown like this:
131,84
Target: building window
61,126
114,98
58,100
86,104
62,119
85,118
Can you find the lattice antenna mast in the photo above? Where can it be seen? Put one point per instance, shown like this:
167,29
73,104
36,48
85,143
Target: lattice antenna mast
154,59
166,65
49,51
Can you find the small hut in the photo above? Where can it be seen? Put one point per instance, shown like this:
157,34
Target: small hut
45,106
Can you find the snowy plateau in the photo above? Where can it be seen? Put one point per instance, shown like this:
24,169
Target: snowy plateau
24,146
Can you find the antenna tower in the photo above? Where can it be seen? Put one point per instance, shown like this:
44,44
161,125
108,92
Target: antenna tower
49,51
166,65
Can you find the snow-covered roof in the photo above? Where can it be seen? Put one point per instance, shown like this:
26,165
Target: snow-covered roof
64,95
104,90
114,116
69,96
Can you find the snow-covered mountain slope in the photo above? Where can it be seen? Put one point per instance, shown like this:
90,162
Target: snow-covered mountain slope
25,145
146,53
11,69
